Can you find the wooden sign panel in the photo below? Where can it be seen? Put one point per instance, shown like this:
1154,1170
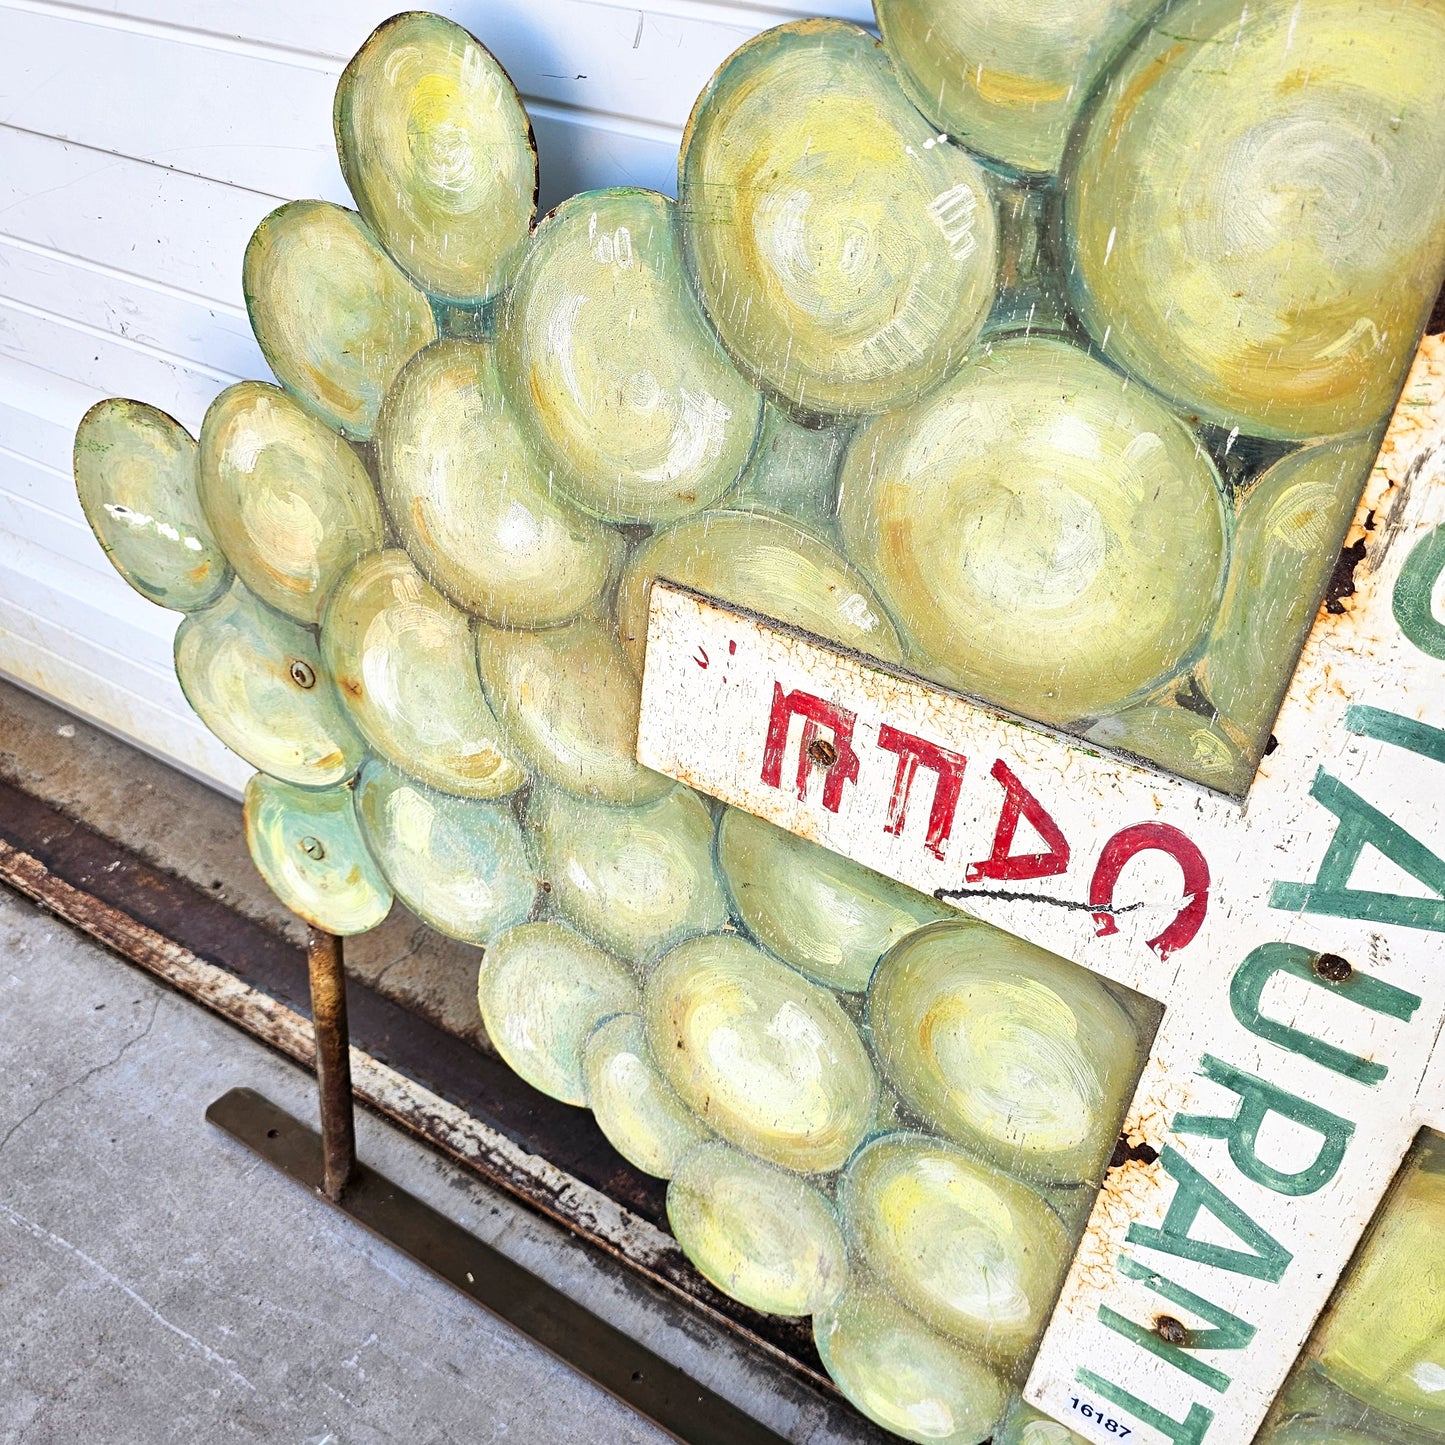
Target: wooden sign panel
1296,941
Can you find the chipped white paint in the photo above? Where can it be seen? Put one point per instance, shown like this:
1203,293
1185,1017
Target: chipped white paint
1175,891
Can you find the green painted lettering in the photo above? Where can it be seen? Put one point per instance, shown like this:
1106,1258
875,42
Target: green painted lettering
1227,1331
1258,1099
1264,1258
1403,732
1247,987
1413,591
1188,1431
1363,826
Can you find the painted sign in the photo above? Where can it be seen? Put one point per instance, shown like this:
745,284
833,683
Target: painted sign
1296,941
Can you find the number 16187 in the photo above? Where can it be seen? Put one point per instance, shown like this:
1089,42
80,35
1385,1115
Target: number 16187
1093,1412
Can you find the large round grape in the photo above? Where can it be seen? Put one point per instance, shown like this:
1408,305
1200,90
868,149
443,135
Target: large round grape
762,564
568,701
404,664
258,681
977,1254
635,1107
768,1059
1383,1337
846,253
760,1234
542,990
136,476
1254,209
908,1378
636,404
289,500
473,500
1292,524
1006,79
334,317
308,848
459,864
636,879
1049,537
438,152
830,917
1021,1056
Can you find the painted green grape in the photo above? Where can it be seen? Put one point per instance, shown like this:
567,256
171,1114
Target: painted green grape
258,681
636,879
568,702
438,152
542,990
846,253
762,1235
762,564
769,1060
975,1253
1292,524
308,848
136,476
405,666
906,1377
1028,1426
333,316
830,917
460,864
1049,538
636,404
635,1107
1022,1057
288,499
1253,209
1006,79
1383,1337
474,502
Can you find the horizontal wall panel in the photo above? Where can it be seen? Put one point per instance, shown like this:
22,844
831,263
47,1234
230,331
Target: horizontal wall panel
213,334
48,526
127,215
260,120
38,413
108,364
644,62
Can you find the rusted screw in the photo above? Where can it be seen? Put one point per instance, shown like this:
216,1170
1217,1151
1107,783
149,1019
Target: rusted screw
312,848
1332,967
303,674
822,752
1170,1330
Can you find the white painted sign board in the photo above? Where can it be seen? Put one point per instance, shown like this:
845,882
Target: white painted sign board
1296,941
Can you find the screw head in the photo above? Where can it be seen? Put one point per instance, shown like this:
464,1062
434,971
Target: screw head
312,848
302,673
822,752
1170,1330
1332,967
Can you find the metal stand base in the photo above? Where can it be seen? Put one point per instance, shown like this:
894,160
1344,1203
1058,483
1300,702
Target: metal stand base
649,1385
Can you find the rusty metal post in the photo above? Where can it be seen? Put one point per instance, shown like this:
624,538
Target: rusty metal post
333,1059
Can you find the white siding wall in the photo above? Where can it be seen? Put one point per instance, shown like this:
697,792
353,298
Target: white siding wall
140,143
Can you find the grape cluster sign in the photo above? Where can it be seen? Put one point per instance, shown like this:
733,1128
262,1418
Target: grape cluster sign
1295,939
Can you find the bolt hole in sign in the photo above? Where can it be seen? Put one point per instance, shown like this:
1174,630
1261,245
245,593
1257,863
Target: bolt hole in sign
1294,937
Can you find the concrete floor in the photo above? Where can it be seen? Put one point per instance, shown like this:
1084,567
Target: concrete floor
158,1283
